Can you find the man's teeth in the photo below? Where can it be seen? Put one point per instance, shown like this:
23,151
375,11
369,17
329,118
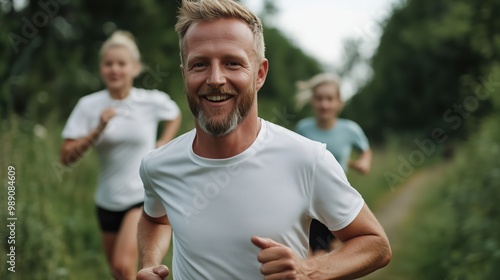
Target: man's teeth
218,97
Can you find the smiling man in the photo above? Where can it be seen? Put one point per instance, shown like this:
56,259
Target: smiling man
239,192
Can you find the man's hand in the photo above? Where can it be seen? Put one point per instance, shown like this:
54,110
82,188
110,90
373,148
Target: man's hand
153,273
279,261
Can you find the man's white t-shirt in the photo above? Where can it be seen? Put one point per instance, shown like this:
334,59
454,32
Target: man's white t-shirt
129,135
273,189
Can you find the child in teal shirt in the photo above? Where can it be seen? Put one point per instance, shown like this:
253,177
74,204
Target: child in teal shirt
339,135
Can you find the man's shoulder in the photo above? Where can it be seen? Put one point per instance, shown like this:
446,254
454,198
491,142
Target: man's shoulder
285,138
276,130
170,152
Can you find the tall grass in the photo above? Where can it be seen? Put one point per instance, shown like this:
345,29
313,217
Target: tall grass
57,235
56,232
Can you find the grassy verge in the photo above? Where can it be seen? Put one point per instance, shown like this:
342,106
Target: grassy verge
56,234
455,233
392,165
56,231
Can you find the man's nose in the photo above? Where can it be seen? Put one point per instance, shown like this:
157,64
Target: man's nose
216,77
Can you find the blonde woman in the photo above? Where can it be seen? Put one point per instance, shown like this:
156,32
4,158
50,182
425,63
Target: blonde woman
120,123
339,135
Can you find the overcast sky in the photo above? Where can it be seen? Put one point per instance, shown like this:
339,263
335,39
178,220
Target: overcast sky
320,27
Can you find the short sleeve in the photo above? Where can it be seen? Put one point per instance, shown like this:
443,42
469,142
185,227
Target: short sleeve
152,202
78,124
166,108
334,202
360,141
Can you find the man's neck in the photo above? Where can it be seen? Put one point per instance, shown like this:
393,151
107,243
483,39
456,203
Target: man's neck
236,142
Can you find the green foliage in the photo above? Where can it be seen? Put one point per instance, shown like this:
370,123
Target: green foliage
456,234
56,230
429,61
50,66
59,59
287,64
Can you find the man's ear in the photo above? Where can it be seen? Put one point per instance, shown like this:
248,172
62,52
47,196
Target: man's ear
262,73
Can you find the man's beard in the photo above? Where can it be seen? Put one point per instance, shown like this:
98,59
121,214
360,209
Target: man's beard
220,128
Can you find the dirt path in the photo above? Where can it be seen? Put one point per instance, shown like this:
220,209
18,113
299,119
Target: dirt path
397,208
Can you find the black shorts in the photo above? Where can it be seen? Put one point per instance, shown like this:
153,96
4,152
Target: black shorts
320,237
110,221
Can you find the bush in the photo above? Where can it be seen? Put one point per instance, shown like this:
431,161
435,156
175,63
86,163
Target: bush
457,234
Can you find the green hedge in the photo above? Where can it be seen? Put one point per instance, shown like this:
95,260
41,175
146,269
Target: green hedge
456,229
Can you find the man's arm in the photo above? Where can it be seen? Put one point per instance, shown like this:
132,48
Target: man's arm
365,248
153,238
363,163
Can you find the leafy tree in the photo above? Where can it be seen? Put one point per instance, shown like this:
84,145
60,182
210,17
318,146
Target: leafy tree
51,53
429,62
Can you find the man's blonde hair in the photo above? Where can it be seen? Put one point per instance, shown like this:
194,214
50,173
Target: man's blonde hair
192,11
305,89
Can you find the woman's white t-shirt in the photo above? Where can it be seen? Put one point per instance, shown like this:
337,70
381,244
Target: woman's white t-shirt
129,135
